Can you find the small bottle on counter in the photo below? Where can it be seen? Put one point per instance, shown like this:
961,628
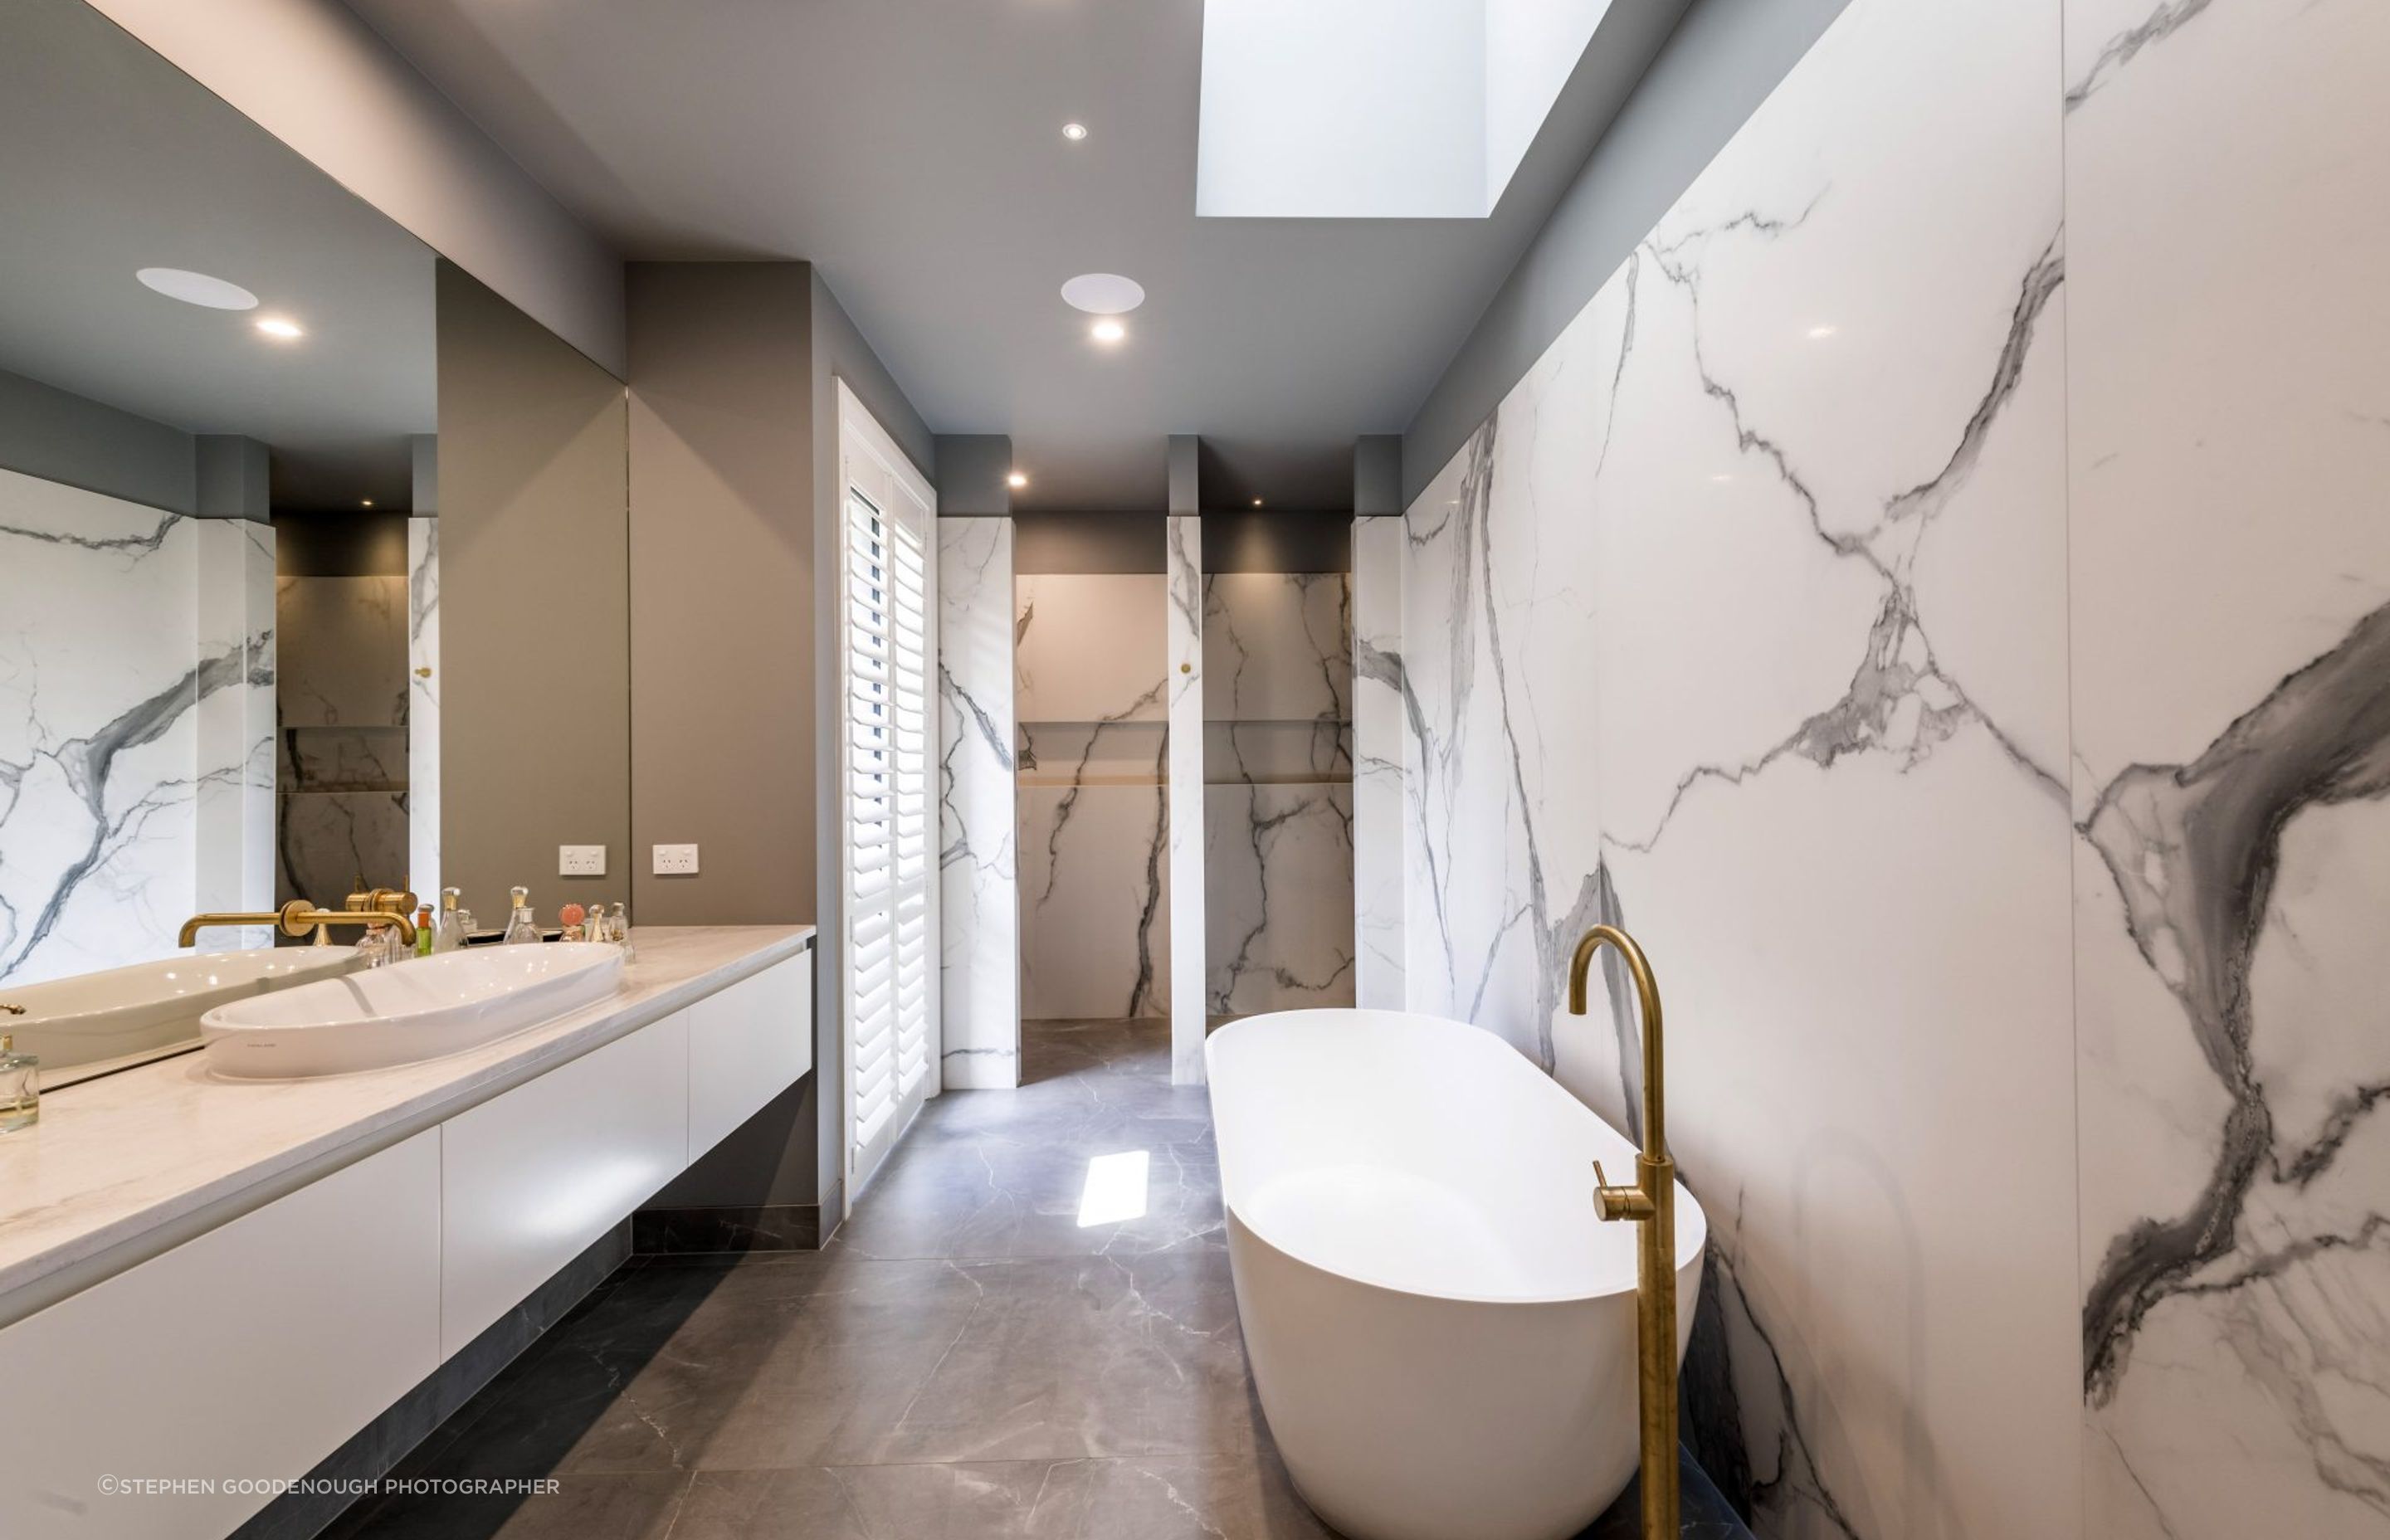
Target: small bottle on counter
455,923
424,937
571,916
618,931
521,929
20,1086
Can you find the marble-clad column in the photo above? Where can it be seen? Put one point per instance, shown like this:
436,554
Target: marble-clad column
1381,739
1183,569
979,915
2228,389
423,708
235,804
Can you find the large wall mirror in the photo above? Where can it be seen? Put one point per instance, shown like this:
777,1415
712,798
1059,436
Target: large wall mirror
313,560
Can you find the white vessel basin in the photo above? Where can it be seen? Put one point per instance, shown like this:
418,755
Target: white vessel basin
409,1011
96,1022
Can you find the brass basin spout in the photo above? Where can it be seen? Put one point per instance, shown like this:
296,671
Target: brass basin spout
298,917
1651,1203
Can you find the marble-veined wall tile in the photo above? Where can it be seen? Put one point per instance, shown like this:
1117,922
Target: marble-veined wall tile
1088,647
343,661
2229,385
978,867
423,707
1273,751
1183,623
1742,624
1381,739
1094,901
101,675
1277,646
236,742
1278,867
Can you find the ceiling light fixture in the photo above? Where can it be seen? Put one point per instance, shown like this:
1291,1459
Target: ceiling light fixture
1075,132
1017,481
1103,293
1108,332
197,289
1257,502
275,327
365,501
1820,332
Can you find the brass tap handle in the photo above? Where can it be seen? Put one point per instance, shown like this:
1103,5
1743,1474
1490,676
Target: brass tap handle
1617,1203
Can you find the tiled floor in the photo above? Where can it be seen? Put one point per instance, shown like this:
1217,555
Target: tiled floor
964,1361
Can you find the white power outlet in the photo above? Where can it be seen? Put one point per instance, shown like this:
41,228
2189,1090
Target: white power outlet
676,861
580,860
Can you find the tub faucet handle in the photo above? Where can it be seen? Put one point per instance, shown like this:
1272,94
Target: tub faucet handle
1617,1203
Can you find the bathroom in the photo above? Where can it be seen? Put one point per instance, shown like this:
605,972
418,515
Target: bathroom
1170,626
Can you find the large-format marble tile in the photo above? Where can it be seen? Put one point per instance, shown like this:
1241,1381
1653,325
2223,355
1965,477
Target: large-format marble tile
102,676
1182,572
1088,647
1095,900
342,661
1742,624
238,774
1277,646
1279,896
329,842
423,681
978,861
2229,385
1381,739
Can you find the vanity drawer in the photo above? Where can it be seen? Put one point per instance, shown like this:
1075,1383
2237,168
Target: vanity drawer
530,1180
244,1356
746,1045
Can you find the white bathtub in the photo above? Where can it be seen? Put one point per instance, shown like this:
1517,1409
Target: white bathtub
1440,1328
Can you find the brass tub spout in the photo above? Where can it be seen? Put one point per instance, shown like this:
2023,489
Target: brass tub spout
1651,1203
297,917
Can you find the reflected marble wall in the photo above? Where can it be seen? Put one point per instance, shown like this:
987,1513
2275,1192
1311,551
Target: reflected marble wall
1089,699
1960,650
342,703
130,725
978,860
1184,664
423,708
1277,799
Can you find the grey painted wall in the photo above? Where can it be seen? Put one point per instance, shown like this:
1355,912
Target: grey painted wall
235,477
974,472
1086,543
1721,62
62,437
535,573
1265,542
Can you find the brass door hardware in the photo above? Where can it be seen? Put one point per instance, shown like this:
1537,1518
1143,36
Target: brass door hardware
1651,1203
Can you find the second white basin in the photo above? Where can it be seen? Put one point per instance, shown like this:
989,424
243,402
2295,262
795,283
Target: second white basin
409,1011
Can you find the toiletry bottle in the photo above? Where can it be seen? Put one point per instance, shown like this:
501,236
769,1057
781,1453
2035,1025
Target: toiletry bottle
448,931
424,938
521,929
571,918
618,931
21,1089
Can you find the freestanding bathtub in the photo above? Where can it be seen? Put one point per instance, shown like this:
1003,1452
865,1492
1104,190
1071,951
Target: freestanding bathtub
1440,1328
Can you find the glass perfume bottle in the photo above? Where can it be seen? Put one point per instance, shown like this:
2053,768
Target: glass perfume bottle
20,1086
618,931
521,929
448,931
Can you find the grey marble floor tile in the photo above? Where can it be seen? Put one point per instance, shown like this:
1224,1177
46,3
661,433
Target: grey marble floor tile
643,1505
990,1197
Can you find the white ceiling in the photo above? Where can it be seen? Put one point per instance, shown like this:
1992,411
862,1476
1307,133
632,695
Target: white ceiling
911,148
111,160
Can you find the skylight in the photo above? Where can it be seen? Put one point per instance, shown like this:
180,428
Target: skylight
1376,109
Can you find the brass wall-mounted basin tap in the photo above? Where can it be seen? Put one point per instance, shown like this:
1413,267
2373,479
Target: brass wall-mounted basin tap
297,917
1651,1203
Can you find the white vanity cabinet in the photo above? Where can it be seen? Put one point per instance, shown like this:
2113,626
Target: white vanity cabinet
746,1046
530,1180
245,1354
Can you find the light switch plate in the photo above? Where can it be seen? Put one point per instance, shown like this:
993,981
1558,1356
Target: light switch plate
676,861
580,860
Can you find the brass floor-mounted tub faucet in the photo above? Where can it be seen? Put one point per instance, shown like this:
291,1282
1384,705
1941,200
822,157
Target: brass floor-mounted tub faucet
1651,1202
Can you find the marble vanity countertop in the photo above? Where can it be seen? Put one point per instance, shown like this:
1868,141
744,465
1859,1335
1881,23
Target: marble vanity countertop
122,1168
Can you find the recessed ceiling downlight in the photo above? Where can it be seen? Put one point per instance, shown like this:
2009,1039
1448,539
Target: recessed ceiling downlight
280,329
1103,293
197,289
1108,330
1075,132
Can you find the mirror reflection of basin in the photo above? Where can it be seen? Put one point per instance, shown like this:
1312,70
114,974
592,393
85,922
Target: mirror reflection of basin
410,1011
94,1023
